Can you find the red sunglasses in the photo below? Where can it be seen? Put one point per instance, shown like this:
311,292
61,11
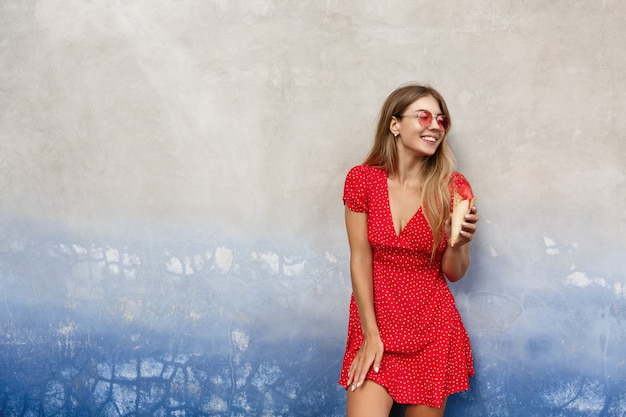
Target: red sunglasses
426,118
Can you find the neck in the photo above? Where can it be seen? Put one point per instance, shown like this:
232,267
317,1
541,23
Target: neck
408,170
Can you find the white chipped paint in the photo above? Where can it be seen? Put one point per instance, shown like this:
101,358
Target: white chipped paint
112,255
270,259
174,265
79,250
105,370
178,266
64,248
216,404
582,280
243,373
189,270
96,253
578,279
330,257
101,392
126,370
267,374
130,260
291,268
223,259
240,339
66,329
124,397
550,245
150,368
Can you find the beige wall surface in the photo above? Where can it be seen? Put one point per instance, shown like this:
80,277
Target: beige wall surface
246,115
223,130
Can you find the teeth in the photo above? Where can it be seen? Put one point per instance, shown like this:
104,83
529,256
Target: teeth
429,139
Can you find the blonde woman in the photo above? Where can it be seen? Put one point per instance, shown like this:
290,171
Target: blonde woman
406,342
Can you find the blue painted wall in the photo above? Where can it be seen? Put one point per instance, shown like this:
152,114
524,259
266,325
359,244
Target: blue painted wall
172,238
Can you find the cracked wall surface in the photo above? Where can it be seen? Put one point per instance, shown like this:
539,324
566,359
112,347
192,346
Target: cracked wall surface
162,328
172,238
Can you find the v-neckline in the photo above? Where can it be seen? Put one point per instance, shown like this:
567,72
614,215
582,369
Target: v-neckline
393,223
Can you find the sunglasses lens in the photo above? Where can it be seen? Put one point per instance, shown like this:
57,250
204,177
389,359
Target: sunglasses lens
425,118
443,121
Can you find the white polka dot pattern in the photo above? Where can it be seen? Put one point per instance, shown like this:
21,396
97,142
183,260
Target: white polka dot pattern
427,350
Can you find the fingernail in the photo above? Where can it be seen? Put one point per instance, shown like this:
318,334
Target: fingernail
353,388
376,369
359,385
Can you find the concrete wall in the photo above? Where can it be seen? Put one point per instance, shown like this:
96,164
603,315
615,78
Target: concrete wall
170,199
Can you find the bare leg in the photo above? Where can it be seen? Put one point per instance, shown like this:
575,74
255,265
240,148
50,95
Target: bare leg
425,411
370,400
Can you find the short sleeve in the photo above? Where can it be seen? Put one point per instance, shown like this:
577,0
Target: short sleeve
355,195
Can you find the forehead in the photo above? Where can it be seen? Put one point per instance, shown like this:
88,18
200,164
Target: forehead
425,103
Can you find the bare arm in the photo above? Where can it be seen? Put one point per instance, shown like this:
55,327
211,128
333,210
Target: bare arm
456,260
361,269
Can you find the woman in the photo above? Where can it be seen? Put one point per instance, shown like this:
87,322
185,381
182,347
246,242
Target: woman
406,342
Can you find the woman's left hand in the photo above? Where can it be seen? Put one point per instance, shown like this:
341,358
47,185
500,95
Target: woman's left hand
467,229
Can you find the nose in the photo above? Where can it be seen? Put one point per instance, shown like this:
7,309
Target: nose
434,124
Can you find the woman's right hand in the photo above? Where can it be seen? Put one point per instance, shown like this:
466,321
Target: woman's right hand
369,356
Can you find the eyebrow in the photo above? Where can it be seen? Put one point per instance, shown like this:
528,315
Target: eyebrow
434,114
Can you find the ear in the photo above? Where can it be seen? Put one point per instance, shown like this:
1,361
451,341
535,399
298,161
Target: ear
394,126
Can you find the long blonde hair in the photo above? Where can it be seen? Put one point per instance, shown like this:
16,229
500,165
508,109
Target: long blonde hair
435,176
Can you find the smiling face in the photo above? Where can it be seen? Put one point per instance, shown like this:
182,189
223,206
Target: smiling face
412,137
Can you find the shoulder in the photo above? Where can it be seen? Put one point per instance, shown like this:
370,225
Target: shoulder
362,182
459,183
458,178
365,172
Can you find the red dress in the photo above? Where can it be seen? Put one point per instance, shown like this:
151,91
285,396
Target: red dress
427,350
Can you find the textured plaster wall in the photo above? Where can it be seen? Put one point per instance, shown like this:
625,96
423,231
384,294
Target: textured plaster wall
172,238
